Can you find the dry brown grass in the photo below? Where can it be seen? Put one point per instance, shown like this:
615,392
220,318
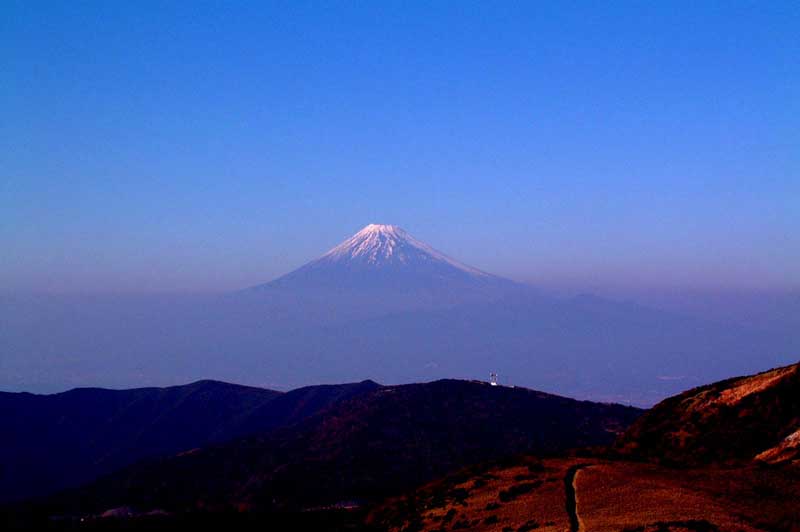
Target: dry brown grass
512,498
618,496
543,505
754,384
613,497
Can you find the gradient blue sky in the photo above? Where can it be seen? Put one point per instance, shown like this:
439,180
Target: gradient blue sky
195,146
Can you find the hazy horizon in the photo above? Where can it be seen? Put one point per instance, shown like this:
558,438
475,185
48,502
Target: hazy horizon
559,276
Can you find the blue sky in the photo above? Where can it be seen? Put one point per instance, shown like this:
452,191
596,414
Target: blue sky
191,146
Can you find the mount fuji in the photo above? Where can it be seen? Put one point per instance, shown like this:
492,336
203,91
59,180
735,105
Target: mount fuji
384,268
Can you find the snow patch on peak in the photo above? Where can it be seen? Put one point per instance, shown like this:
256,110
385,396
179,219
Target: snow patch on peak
381,228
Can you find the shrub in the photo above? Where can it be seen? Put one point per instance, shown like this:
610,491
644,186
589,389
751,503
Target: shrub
518,489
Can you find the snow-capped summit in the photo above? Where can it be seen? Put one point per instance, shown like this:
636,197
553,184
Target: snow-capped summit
383,265
381,245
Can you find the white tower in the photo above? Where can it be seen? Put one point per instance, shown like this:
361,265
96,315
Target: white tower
493,379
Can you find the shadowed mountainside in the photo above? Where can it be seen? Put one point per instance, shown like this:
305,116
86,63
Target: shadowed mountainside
365,448
55,441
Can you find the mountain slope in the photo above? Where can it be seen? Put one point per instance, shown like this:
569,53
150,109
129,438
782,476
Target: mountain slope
373,445
55,441
735,420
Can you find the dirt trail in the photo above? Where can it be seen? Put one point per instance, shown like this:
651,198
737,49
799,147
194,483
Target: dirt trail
572,502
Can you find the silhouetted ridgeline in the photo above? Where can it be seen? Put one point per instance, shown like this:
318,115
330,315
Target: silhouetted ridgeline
55,441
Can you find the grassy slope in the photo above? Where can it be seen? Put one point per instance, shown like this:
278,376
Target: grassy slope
611,496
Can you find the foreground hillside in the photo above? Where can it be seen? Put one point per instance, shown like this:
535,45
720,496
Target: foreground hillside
722,457
359,450
740,419
55,441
